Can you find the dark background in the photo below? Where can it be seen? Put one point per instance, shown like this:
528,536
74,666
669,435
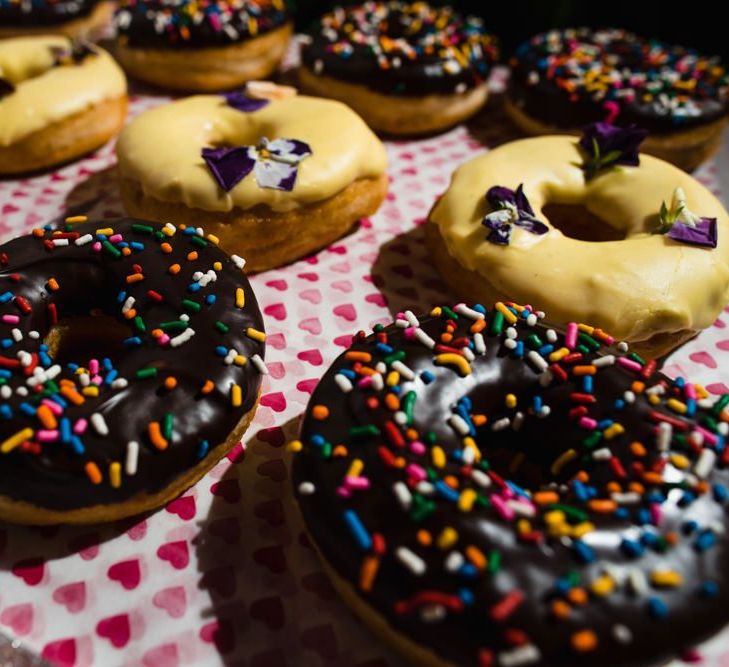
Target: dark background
695,23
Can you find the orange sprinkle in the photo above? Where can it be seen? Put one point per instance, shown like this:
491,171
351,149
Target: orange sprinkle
156,333
353,355
46,417
637,387
165,248
72,395
130,314
320,412
38,233
476,556
545,497
584,641
652,478
671,537
135,278
340,451
424,537
603,506
446,337
613,487
93,472
478,325
577,596
170,383
174,269
479,420
368,573
411,434
451,481
53,284
582,476
155,436
636,487
126,252
584,370
192,256
392,402
637,449
207,387
701,487
560,609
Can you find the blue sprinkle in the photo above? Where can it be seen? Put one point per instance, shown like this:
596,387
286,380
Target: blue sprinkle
583,552
396,389
5,297
686,499
468,570
102,237
546,349
221,350
580,491
77,447
45,360
349,374
427,377
720,493
622,513
122,245
48,228
519,350
519,491
720,444
64,428
632,548
384,348
479,309
6,411
691,407
111,376
465,402
133,341
679,382
318,440
210,299
587,384
466,596
619,404
657,608
189,231
563,586
193,287
605,423
5,343
705,540
689,527
446,491
202,449
59,400
73,367
5,374
655,496
136,245
27,409
121,297
709,589
643,517
106,363
537,404
358,530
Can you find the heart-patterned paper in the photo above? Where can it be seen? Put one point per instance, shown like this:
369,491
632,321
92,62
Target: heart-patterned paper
224,574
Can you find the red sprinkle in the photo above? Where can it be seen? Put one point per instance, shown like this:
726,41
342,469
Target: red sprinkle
505,607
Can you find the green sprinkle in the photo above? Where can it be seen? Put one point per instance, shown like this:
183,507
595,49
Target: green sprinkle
199,241
407,405
593,439
145,373
160,236
189,304
449,313
366,431
395,356
430,438
583,349
572,513
710,423
167,424
139,323
326,450
589,342
497,323
142,229
494,560
720,404
175,325
113,251
222,327
378,327
637,358
534,341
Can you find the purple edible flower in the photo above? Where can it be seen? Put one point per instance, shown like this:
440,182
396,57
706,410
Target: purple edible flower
510,208
274,163
240,101
607,145
680,224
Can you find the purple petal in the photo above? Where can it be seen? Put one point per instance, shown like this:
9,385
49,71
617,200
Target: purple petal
275,175
500,236
522,203
289,149
533,225
704,234
499,194
242,102
228,165
613,139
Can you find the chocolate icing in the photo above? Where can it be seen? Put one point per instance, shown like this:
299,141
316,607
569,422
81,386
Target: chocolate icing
398,48
91,281
536,570
188,24
30,13
657,86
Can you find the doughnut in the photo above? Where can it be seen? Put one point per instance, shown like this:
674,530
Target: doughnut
563,79
486,490
405,67
316,169
594,251
76,19
201,46
131,359
58,101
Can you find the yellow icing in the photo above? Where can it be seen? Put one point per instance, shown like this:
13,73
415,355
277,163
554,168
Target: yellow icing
160,150
45,94
634,288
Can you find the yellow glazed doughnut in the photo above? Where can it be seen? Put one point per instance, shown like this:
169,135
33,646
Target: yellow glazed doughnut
316,195
57,101
600,258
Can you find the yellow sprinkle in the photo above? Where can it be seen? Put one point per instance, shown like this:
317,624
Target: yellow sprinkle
106,231
523,527
447,538
167,231
115,474
355,468
439,456
586,328
14,440
510,401
701,391
554,518
240,360
255,334
91,390
466,500
436,311
76,218
508,315
562,461
217,266
654,399
676,406
603,586
613,431
215,241
680,461
666,578
582,529
236,396
392,379
450,358
295,446
240,297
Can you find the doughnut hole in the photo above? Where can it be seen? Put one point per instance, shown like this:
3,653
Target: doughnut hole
575,221
80,338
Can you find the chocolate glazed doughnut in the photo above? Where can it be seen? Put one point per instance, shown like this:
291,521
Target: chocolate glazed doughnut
130,362
484,490
73,18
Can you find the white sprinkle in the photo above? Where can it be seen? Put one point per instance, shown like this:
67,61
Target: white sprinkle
522,508
468,353
696,438
723,428
663,436
551,336
84,379
629,397
656,390
426,488
128,304
453,561
230,357
479,343
404,497
400,418
401,368
21,391
83,240
381,367
459,424
378,382
424,338
401,323
130,465
178,340
259,364
25,358
238,261
343,382
432,613
17,334
622,634
607,360
527,654
501,424
119,383
602,454
511,333
410,317
637,581
481,478
463,309
99,423
184,317
411,560
705,462
623,346
510,344
60,242
197,275
538,360
34,335
171,227
5,391
306,488
629,498
517,421
531,319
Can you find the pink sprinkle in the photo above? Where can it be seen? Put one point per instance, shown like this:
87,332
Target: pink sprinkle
45,435
629,364
708,435
94,366
53,406
365,382
11,319
570,337
417,447
690,391
96,247
79,428
343,493
656,514
97,380
416,471
163,339
692,656
115,238
357,483
588,423
410,333
502,508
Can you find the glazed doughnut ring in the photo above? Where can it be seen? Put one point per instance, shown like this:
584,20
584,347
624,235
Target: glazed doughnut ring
131,357
599,260
76,19
57,101
485,490
274,179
